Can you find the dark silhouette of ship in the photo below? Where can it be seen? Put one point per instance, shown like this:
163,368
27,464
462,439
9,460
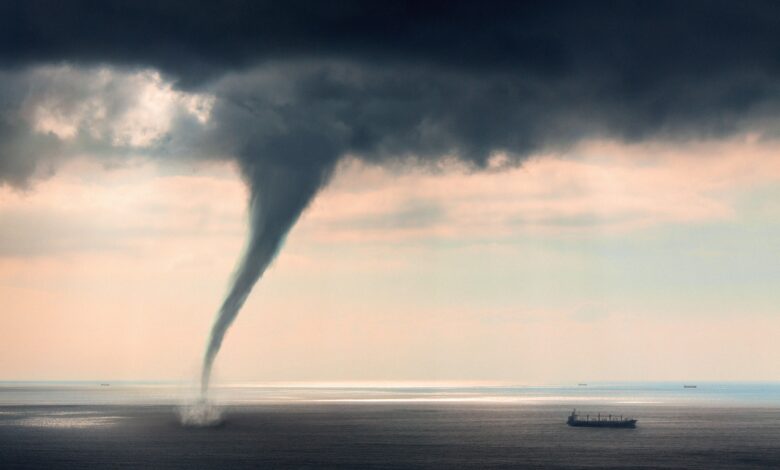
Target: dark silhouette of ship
608,421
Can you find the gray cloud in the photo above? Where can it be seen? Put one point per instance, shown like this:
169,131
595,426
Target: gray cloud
379,113
387,80
24,153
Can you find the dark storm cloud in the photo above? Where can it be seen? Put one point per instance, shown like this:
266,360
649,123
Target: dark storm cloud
425,112
417,78
647,39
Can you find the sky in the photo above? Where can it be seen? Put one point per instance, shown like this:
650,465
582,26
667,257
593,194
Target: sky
528,194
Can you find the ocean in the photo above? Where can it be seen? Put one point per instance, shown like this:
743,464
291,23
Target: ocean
139,425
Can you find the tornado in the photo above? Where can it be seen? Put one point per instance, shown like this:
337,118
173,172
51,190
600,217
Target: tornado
279,193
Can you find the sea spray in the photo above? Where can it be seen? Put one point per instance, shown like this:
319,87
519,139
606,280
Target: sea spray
200,414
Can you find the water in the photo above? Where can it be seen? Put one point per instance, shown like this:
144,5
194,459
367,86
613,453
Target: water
154,393
75,425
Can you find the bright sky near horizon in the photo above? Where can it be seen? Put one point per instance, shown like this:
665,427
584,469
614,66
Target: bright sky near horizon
611,262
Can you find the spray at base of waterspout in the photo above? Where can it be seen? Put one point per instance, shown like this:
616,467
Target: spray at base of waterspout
201,414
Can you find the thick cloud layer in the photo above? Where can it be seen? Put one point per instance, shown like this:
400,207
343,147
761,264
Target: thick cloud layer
287,88
646,40
401,78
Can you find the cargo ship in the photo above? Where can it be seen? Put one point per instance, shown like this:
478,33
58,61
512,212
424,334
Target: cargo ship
608,421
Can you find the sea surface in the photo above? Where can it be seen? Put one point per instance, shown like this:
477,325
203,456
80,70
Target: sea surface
139,425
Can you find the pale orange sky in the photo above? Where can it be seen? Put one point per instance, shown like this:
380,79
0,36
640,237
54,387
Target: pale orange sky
610,262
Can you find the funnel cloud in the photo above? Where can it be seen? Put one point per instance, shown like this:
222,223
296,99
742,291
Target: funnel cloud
278,196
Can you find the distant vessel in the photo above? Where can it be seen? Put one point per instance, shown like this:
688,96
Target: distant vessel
689,386
600,422
105,385
582,385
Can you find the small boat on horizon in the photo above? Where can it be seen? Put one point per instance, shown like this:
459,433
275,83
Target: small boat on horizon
609,421
689,386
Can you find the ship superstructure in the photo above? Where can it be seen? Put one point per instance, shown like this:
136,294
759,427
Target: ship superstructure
599,421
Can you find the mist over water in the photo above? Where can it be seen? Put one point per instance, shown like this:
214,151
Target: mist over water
200,414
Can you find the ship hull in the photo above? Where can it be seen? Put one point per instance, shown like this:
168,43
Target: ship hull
604,424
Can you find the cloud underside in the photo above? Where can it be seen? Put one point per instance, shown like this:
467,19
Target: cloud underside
304,115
